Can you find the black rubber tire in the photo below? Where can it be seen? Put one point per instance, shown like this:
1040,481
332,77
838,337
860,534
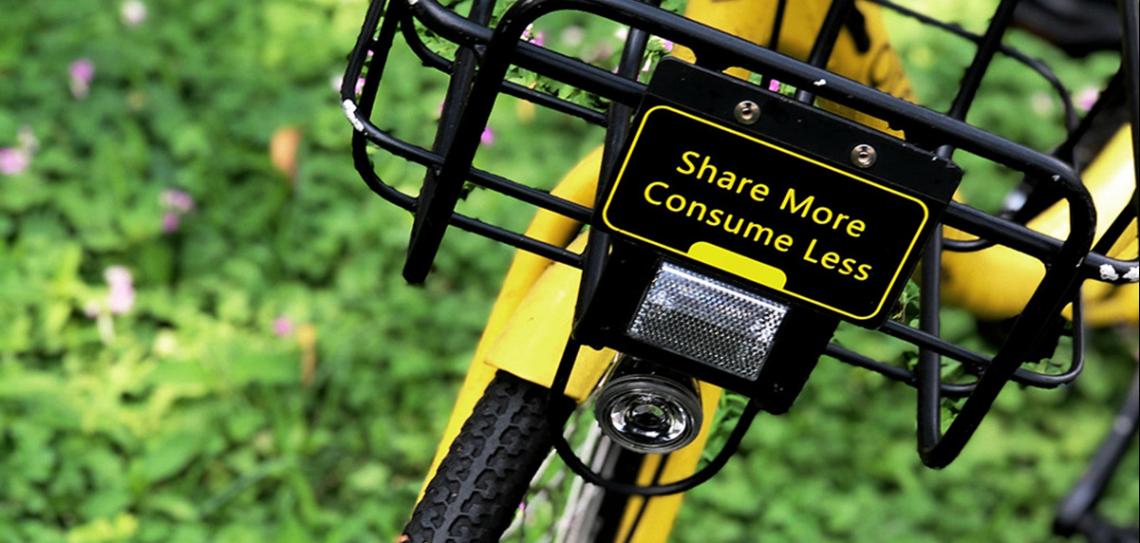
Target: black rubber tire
480,483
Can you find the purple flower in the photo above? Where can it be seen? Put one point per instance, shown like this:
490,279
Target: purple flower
487,137
774,85
283,326
81,73
121,297
664,44
176,203
14,160
537,38
1086,97
177,200
133,12
170,222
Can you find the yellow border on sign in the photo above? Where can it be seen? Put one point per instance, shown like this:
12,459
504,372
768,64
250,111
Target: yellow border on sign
890,285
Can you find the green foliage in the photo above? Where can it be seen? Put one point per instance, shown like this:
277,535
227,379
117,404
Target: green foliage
189,419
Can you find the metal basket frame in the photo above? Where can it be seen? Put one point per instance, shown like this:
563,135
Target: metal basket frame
477,76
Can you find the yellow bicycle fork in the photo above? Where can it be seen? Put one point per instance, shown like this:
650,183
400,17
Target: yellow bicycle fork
531,319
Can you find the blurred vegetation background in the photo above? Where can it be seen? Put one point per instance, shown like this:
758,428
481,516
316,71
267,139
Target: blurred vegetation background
204,335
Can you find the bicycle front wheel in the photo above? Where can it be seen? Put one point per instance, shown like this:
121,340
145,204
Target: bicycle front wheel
485,475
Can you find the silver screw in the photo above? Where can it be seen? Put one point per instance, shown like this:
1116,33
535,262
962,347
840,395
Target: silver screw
747,112
864,155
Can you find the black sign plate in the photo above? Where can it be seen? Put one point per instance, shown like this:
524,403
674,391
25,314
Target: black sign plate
769,214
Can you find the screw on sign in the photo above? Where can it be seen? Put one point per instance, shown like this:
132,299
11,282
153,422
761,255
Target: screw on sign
864,155
747,112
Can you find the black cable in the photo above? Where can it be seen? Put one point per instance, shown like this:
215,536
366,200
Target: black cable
645,501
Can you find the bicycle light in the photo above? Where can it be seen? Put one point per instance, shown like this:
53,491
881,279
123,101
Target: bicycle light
647,409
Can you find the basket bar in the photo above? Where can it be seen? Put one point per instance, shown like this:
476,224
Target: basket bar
991,228
445,65
968,137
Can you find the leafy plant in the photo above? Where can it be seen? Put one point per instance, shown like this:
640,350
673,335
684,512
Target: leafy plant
201,341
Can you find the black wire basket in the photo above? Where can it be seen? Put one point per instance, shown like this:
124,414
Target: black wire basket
477,76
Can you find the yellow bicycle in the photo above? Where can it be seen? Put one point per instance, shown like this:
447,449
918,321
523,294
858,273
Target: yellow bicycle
770,179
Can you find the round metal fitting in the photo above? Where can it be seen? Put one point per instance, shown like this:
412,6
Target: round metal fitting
747,112
649,413
864,156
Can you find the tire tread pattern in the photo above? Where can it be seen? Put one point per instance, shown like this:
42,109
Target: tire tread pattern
480,483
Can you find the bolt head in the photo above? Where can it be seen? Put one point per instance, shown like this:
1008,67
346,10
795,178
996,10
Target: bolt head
747,112
864,156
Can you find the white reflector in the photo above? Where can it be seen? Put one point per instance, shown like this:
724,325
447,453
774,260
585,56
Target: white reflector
708,321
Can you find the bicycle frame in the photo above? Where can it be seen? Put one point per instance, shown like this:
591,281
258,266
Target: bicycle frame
546,276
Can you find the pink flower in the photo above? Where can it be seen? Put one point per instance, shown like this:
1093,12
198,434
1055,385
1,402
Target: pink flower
1086,97
487,137
177,203
359,85
283,326
537,38
774,85
118,277
133,12
170,222
177,200
14,160
81,73
121,297
119,302
664,44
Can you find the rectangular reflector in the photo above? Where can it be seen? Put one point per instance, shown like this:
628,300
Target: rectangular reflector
708,321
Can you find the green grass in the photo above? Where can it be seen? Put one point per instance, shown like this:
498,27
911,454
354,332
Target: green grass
188,419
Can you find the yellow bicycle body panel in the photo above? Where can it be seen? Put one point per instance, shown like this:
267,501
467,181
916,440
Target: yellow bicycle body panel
531,345
996,283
